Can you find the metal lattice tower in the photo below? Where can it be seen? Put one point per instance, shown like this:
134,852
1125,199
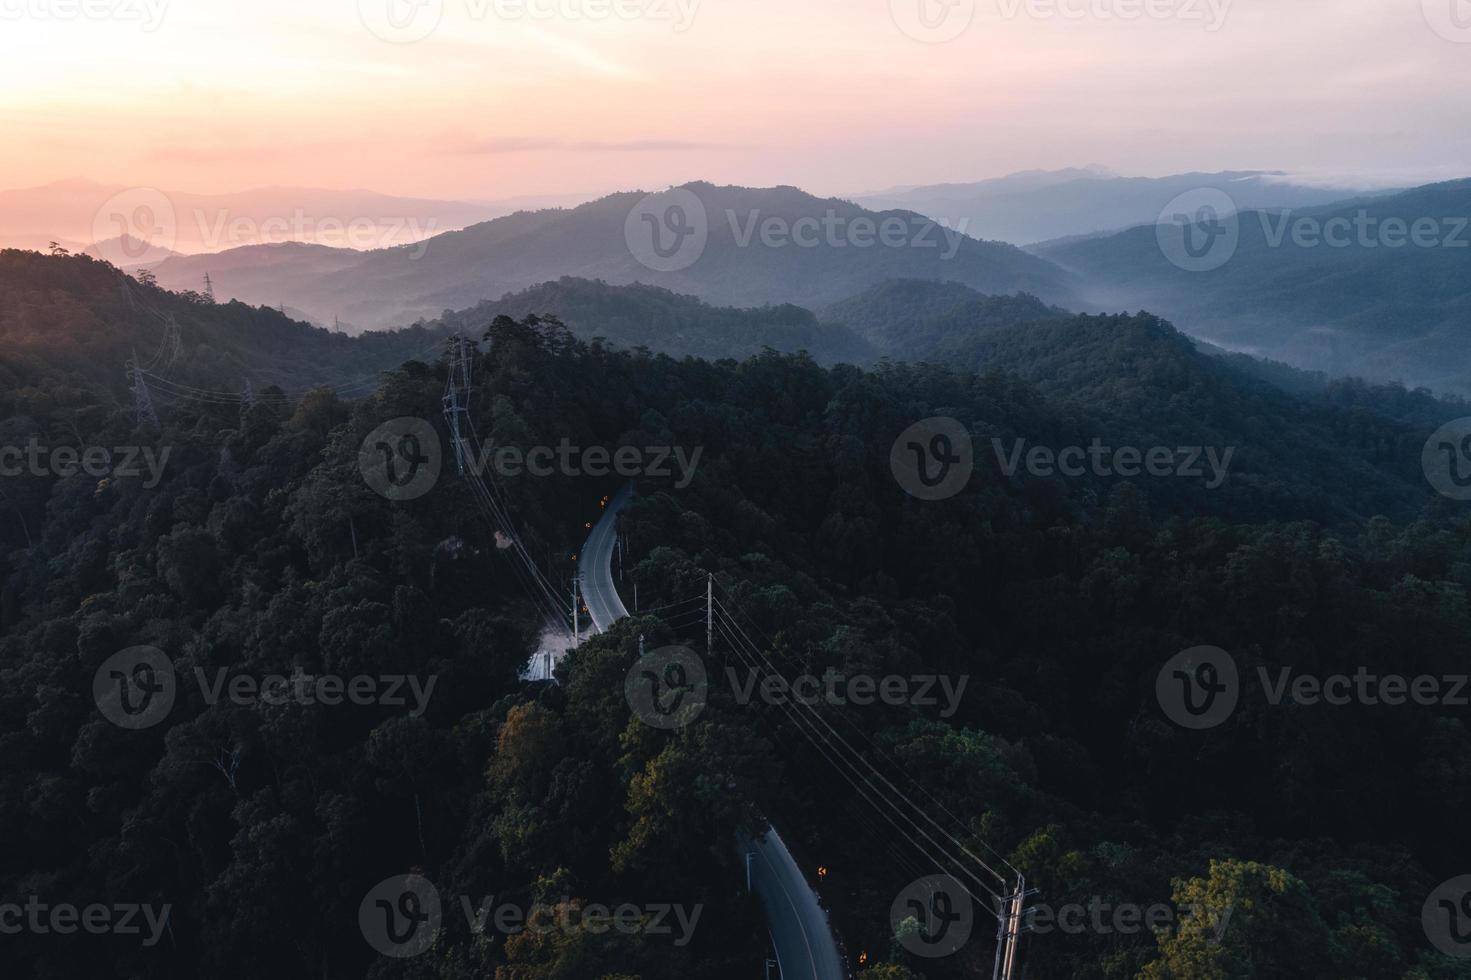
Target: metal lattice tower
457,397
173,344
142,401
209,287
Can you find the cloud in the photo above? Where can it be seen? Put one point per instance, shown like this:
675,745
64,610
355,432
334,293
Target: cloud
497,145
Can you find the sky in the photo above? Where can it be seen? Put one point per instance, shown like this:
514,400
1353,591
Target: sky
493,99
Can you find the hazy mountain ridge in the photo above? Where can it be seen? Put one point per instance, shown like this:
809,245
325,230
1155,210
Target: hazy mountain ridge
459,269
1041,206
1385,312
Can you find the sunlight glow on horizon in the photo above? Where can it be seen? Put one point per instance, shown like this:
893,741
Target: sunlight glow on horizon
830,95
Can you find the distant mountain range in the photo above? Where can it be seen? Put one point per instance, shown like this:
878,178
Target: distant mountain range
1348,289
1040,205
771,245
1384,311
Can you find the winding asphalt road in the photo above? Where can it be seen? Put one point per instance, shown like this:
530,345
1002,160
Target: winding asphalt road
805,948
599,592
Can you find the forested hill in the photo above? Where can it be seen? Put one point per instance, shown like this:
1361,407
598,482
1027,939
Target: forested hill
262,550
648,316
74,322
912,319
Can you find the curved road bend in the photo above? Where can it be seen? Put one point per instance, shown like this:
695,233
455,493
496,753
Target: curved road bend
805,948
599,591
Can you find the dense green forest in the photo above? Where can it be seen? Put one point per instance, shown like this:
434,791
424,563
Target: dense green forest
636,316
1314,832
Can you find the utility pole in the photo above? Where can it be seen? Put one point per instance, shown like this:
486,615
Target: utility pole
1009,931
142,401
710,615
576,612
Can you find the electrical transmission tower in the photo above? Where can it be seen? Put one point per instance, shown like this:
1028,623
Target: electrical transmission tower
172,347
142,401
457,397
209,287
247,397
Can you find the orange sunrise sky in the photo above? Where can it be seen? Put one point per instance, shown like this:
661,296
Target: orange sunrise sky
501,98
